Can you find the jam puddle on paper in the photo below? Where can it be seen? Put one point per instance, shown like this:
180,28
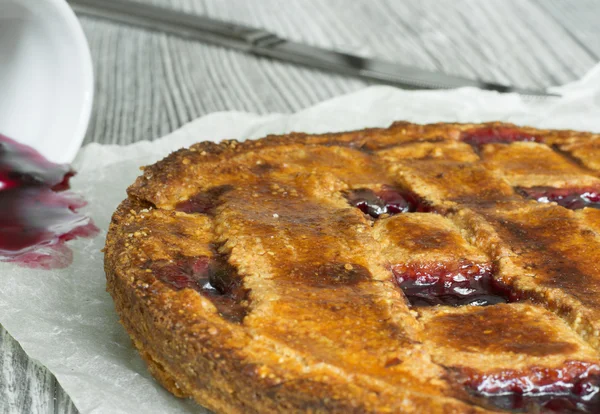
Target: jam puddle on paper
39,216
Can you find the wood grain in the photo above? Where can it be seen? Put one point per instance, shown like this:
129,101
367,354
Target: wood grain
148,84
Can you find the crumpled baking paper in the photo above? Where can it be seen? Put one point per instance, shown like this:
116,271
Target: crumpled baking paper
66,320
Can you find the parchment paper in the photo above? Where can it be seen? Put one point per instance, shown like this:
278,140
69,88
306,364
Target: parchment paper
66,320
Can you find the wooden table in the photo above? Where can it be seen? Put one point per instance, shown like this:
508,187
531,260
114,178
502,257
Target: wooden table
148,84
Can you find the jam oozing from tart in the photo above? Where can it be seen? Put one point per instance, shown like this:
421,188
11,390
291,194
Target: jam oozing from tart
387,200
458,284
204,202
490,135
38,216
213,277
571,198
560,394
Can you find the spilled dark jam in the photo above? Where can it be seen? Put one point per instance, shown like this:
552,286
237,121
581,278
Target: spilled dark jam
571,198
451,285
38,215
388,200
213,277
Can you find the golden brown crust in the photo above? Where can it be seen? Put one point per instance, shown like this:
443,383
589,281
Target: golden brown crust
530,164
191,169
546,254
316,323
421,238
491,339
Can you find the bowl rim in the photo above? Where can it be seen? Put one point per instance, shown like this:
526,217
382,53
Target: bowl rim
87,69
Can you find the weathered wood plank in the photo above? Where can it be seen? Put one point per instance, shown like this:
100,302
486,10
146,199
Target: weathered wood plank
25,385
580,23
62,402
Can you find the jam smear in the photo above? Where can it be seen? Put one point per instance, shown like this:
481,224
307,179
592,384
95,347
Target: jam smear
457,284
38,215
213,277
388,200
579,394
491,135
571,198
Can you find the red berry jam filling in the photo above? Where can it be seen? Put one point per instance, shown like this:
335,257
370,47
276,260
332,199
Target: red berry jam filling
491,135
571,198
38,216
387,200
213,277
460,284
572,389
204,202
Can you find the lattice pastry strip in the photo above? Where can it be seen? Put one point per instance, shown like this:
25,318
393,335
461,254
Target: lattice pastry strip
448,183
438,150
529,164
587,151
545,253
590,218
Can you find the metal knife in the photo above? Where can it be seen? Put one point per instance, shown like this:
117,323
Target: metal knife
263,43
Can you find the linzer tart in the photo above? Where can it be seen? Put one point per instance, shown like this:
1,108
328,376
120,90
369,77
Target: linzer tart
446,268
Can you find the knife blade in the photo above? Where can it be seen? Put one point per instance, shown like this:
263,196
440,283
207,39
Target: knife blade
266,44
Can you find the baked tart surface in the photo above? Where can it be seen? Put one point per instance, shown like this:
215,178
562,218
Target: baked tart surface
445,268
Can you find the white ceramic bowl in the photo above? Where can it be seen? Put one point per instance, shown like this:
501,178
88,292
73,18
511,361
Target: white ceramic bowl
46,77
